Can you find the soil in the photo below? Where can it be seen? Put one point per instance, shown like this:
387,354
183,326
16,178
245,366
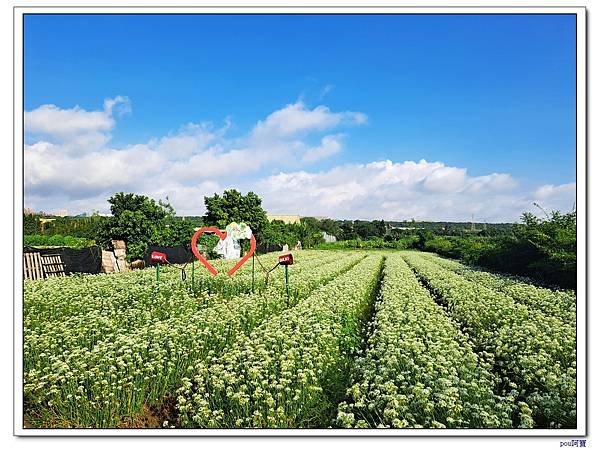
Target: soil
152,416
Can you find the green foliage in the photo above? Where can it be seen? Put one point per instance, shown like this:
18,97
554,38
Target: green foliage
85,227
555,240
81,227
309,232
279,233
469,249
140,221
347,230
534,352
543,249
331,227
56,240
438,244
417,365
173,232
370,244
422,237
122,203
368,230
232,206
31,224
209,241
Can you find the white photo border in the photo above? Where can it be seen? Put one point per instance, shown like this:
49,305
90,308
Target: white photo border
581,201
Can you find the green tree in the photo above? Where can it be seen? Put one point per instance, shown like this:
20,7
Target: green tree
85,227
422,237
232,206
380,227
279,233
555,240
173,232
366,230
347,231
31,224
136,219
309,233
330,227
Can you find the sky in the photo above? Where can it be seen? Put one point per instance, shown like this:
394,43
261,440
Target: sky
426,117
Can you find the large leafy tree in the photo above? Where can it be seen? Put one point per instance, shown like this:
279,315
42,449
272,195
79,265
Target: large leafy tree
140,221
555,242
279,233
31,224
309,232
347,230
366,230
232,206
331,227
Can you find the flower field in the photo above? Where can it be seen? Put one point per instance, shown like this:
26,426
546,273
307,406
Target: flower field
534,352
365,340
419,370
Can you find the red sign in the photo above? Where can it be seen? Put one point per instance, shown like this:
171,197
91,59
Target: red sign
286,260
158,257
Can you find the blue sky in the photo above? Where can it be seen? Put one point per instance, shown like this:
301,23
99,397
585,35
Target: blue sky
480,95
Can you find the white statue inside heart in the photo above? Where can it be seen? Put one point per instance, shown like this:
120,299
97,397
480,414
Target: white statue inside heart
230,247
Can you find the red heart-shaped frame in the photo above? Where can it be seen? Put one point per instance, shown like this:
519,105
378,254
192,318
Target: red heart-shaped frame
222,235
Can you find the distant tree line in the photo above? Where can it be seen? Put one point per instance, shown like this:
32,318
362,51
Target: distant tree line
80,227
56,240
544,249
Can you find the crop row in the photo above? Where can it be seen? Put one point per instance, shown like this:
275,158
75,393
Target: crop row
242,281
291,371
532,351
80,295
419,371
555,303
117,304
97,385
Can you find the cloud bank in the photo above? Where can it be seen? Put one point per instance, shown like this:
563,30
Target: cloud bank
71,164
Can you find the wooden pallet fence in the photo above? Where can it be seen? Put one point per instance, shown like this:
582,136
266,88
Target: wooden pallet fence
32,266
53,265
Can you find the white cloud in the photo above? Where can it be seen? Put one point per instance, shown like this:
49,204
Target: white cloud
70,164
49,169
383,189
296,118
560,197
77,130
190,139
68,155
446,179
212,163
330,145
53,121
189,200
548,191
493,182
119,105
326,90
